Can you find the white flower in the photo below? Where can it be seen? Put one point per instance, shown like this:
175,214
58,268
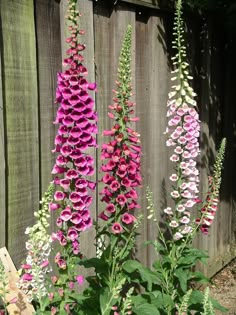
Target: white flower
180,208
174,177
170,142
27,230
175,194
177,236
174,224
187,230
178,150
174,158
168,210
190,203
184,220
186,194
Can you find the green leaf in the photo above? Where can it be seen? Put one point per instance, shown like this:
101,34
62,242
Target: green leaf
157,245
196,297
131,266
62,311
149,276
99,265
200,277
104,298
157,265
139,299
156,299
106,301
166,262
146,275
191,256
182,276
89,306
187,260
218,306
146,309
167,301
77,297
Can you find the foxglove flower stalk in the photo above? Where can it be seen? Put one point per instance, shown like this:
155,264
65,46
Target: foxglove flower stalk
76,133
121,155
183,132
36,266
212,199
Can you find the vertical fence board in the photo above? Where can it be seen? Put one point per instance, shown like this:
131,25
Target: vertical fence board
48,64
207,143
86,23
152,81
20,82
110,25
2,169
228,191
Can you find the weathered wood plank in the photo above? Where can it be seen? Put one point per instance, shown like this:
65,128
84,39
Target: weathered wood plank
86,23
152,82
21,103
108,40
64,30
48,36
2,169
210,100
207,144
110,28
145,3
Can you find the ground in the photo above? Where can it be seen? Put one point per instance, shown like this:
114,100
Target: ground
223,288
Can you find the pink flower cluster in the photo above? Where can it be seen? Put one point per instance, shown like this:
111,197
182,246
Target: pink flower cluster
208,210
183,132
121,164
72,285
76,133
35,269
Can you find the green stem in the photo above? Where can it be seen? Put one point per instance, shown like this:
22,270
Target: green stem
108,307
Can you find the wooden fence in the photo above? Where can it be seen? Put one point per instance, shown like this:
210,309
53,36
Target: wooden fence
32,41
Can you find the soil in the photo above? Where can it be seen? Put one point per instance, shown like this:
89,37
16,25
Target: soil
223,288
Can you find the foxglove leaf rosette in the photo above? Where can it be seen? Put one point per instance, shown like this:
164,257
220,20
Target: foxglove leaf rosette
183,132
121,155
77,122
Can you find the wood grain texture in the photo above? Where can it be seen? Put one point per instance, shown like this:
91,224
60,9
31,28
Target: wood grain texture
145,3
21,109
86,23
110,25
2,169
48,37
152,81
220,243
85,7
